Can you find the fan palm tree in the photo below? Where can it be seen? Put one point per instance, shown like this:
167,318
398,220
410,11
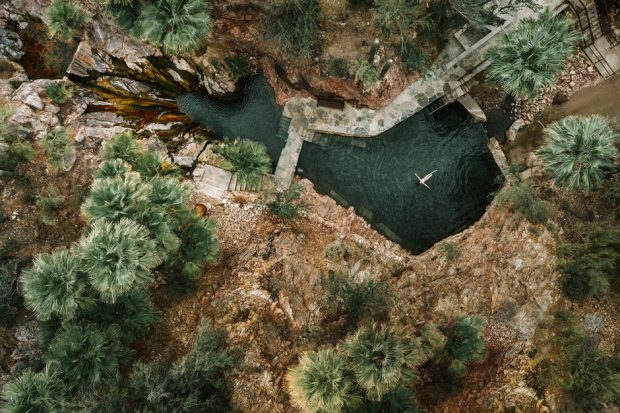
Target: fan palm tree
248,159
54,285
463,343
177,25
113,168
86,356
34,393
118,197
319,384
382,358
64,17
117,257
579,151
122,146
531,56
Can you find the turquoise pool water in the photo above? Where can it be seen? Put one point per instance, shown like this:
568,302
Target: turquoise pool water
377,176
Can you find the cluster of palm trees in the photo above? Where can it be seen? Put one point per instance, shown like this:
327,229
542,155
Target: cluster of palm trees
375,368
92,299
177,26
579,151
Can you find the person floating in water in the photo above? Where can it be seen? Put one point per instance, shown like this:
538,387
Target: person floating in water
426,178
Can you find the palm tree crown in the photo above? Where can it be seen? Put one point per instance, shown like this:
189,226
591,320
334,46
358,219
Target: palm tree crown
319,384
176,25
579,151
530,57
382,357
117,257
54,285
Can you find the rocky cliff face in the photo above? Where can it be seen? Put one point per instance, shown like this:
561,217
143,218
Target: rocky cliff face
267,291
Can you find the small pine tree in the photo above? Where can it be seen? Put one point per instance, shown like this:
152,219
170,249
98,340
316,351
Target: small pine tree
58,147
48,204
54,286
117,257
64,18
86,356
320,383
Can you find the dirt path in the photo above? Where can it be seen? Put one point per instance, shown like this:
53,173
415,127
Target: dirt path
601,99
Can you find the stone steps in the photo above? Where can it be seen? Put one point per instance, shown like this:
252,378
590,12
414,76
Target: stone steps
237,185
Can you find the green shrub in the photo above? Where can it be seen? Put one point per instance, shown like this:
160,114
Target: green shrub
239,65
194,384
33,393
579,151
247,159
14,150
112,169
590,261
572,362
58,147
48,204
287,204
382,359
59,92
294,24
198,244
64,18
54,286
131,312
151,164
337,67
122,146
366,74
413,58
320,383
15,83
451,249
178,26
463,344
118,197
9,297
612,194
529,58
398,16
343,295
522,197
86,356
117,257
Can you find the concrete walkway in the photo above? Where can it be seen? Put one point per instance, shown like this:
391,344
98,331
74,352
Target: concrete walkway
445,84
297,134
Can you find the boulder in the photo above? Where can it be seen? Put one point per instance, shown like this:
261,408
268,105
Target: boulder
511,133
10,45
34,101
559,98
472,107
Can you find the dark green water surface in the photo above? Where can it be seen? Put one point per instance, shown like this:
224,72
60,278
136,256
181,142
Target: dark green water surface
377,176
